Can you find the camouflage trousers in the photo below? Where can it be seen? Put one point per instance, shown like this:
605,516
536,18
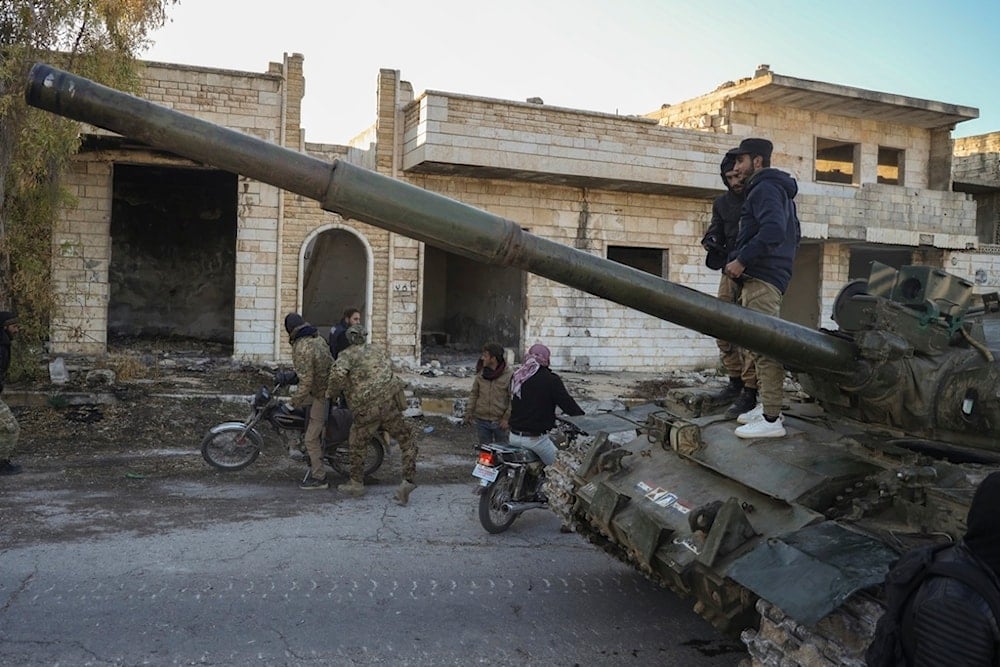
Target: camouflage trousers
389,418
735,359
9,430
765,298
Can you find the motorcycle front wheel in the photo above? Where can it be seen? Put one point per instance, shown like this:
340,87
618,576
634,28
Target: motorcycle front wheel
228,447
339,457
491,500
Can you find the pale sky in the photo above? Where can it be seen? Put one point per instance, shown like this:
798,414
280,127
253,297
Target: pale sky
613,56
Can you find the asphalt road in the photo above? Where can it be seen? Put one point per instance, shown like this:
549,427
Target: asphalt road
314,578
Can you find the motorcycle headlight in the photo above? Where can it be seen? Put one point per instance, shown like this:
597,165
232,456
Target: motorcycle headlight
261,398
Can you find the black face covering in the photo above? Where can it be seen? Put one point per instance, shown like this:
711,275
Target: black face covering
983,534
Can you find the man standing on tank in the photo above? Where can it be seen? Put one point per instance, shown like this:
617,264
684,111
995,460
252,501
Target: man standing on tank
762,263
718,241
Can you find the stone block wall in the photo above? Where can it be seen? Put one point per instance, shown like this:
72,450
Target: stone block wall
585,331
544,140
251,103
80,257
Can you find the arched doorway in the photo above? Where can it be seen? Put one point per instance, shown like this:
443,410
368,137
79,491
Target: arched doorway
335,276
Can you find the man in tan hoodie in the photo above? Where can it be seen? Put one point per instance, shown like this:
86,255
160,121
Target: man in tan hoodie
489,400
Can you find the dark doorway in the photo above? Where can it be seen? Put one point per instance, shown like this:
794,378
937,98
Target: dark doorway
173,254
335,278
467,303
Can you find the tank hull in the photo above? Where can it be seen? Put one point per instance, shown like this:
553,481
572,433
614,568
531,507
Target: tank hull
777,539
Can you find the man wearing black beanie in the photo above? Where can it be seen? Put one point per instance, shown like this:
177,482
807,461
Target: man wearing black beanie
952,621
311,359
719,241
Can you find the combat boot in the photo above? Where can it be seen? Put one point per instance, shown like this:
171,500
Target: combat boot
352,488
745,402
730,391
403,492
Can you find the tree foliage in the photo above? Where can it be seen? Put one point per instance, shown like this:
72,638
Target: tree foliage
98,39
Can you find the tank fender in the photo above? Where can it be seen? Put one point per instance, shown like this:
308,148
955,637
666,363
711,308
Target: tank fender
835,560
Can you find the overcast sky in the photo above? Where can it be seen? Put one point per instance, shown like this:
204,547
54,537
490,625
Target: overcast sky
615,56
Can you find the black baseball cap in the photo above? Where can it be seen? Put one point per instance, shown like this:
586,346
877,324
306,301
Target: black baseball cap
753,146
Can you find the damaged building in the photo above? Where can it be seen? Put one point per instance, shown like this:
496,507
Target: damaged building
159,246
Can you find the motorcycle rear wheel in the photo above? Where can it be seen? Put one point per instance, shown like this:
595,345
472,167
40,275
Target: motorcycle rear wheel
491,514
225,449
339,457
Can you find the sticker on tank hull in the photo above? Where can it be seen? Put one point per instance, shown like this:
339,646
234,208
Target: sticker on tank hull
663,497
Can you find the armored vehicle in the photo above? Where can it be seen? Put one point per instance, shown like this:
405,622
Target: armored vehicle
785,539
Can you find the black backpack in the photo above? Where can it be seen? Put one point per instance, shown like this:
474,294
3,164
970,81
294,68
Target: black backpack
890,645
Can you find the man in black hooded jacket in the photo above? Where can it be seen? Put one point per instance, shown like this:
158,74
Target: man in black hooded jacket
951,622
9,428
719,240
762,264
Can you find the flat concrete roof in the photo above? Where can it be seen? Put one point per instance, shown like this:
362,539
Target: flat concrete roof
841,100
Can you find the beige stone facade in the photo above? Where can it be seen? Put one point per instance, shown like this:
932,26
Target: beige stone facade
612,186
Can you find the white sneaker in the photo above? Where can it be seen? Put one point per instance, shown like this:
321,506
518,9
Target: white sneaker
762,429
752,415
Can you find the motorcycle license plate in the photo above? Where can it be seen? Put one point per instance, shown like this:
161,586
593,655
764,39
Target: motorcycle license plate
485,472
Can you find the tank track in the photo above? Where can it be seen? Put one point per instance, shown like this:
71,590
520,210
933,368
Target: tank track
840,639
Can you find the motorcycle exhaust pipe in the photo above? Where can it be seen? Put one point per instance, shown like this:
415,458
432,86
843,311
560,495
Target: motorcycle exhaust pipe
517,508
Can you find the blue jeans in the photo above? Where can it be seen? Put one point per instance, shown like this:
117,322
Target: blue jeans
489,431
542,445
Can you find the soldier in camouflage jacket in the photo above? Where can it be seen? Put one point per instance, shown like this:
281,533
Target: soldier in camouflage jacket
311,358
375,396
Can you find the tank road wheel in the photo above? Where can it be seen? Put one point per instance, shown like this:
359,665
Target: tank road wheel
491,514
340,458
229,448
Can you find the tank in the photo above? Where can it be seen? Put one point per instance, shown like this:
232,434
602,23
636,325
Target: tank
785,541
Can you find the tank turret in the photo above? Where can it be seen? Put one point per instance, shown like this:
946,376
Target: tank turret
905,355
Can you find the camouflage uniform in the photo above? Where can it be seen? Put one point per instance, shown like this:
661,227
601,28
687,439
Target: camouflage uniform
9,428
9,431
375,396
311,358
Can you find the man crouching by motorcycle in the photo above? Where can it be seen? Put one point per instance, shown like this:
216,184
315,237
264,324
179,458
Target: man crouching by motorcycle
375,396
535,393
311,359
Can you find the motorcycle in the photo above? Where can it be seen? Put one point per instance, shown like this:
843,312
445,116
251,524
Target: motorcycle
512,480
234,445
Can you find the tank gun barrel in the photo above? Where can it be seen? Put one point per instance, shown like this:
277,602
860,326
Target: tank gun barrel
355,192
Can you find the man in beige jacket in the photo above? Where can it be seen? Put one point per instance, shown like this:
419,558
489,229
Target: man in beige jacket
489,400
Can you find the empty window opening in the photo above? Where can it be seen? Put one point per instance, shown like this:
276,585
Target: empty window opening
650,260
837,161
466,304
172,272
890,165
